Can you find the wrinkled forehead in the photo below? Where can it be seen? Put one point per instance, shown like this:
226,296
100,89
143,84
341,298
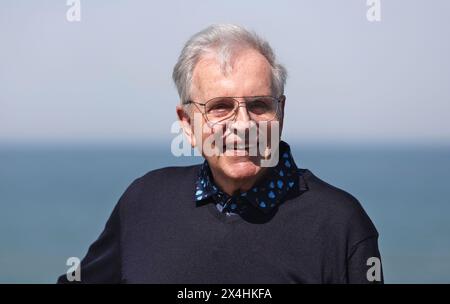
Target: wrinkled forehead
248,74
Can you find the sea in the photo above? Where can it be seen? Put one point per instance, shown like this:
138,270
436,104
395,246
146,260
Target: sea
55,200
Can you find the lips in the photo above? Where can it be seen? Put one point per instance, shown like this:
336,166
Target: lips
239,146
240,150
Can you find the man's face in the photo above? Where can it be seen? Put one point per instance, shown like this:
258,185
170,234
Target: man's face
250,76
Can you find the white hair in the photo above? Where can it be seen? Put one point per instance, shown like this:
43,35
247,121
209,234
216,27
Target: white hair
223,40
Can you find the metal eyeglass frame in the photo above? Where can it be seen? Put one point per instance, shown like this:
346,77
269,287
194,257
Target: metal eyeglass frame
225,120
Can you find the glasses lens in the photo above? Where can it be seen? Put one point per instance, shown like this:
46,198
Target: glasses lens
262,108
219,109
222,109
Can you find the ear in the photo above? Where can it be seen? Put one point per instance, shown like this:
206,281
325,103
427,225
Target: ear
185,123
283,103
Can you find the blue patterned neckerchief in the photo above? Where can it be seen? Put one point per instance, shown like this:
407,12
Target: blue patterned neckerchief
265,195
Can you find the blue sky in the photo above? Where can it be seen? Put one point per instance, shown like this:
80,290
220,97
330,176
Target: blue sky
108,77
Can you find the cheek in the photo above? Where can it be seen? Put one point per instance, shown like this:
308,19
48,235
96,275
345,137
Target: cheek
206,134
269,132
211,142
212,135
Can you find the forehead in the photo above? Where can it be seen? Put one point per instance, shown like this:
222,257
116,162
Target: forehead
250,75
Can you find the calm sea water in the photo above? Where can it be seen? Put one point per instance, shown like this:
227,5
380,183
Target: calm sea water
55,201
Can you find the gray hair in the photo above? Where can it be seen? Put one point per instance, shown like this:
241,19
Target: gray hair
223,40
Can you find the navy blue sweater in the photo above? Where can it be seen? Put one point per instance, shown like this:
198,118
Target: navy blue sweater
157,234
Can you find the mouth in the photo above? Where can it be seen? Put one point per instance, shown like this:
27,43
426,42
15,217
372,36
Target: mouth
243,149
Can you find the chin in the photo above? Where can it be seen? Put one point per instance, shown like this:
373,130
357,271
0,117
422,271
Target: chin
240,167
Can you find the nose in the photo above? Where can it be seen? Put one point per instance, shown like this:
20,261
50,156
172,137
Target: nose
242,113
243,123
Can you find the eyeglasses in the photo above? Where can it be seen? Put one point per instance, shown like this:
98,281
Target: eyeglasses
220,110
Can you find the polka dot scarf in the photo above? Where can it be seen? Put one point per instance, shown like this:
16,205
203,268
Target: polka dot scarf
265,195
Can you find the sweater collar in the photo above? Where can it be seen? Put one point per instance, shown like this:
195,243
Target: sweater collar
279,182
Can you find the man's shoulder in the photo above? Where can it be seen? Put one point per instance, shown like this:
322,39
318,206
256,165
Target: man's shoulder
327,192
174,176
160,184
336,205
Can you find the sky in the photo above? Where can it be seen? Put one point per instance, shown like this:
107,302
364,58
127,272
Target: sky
108,76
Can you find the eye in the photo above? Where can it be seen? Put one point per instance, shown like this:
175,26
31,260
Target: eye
260,105
220,107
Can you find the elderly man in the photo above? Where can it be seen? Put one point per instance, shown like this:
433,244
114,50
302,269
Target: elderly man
238,217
